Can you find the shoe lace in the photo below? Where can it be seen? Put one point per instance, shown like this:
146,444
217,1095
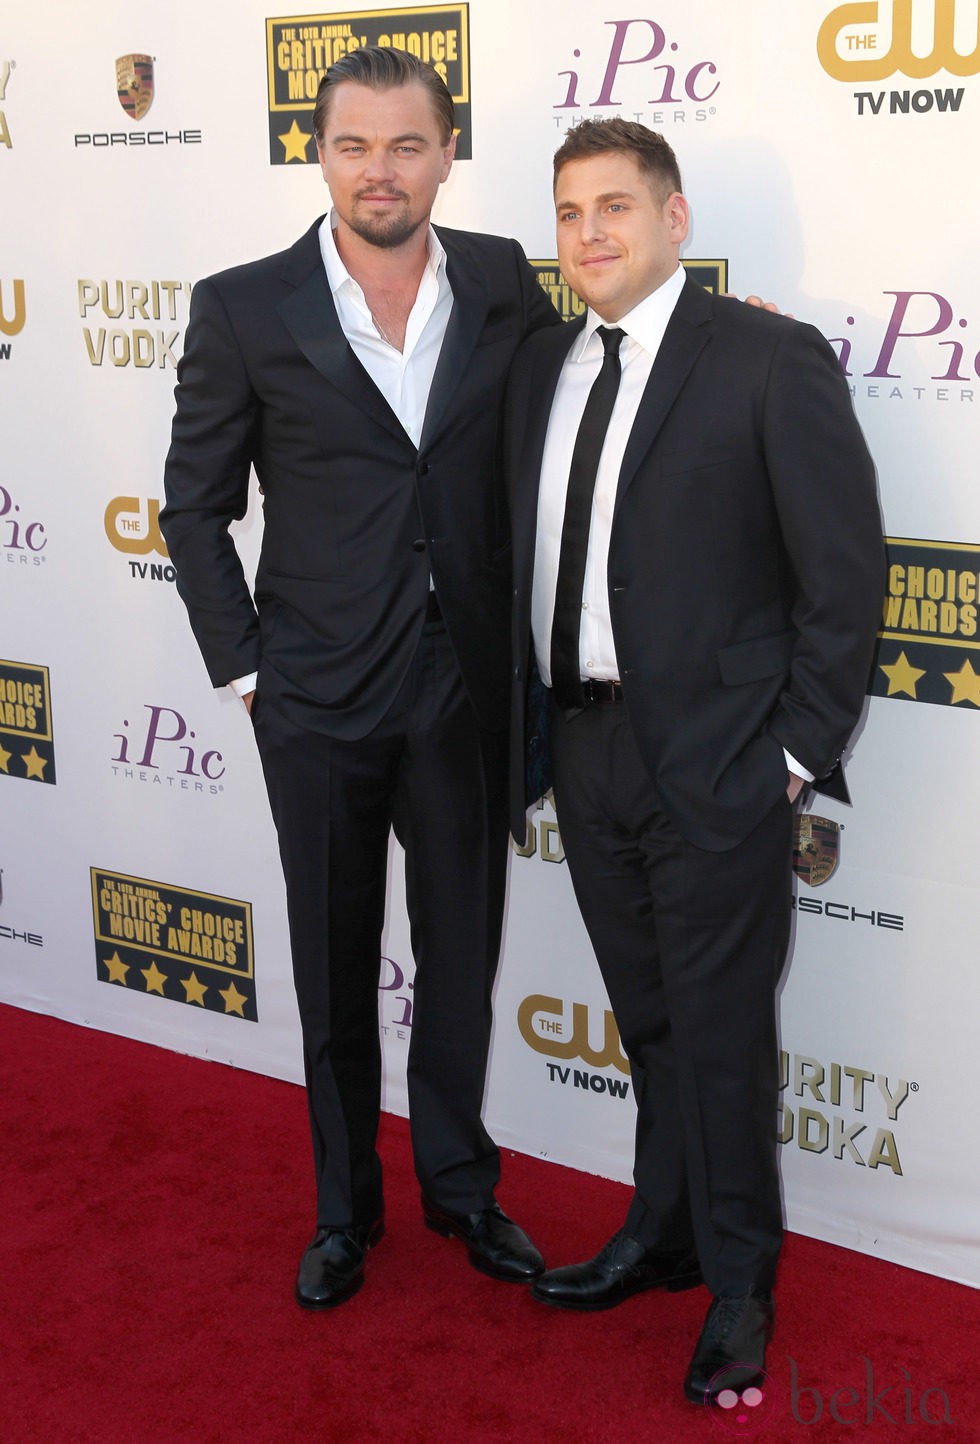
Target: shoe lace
724,1316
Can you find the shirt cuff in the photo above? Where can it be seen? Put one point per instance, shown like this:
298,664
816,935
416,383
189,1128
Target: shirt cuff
797,767
241,685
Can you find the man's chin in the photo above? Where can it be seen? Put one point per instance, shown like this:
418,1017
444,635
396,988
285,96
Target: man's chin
385,232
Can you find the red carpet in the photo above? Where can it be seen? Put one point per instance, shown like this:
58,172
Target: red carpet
155,1207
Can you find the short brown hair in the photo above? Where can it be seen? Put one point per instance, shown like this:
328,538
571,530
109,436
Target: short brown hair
382,68
651,152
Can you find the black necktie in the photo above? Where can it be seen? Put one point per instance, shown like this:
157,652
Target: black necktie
567,624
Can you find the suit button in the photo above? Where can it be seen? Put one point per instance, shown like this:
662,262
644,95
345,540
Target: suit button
423,468
418,545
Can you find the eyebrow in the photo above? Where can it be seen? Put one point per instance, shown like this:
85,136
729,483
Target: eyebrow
620,195
395,140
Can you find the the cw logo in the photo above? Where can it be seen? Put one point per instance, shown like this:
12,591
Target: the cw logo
125,528
864,59
549,1034
11,326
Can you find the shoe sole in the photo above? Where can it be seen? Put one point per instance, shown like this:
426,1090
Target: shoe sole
675,1285
446,1230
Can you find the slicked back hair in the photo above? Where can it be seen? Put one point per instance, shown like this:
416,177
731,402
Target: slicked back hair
380,67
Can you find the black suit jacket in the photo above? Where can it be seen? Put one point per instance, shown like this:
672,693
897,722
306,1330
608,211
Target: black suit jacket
746,566
356,517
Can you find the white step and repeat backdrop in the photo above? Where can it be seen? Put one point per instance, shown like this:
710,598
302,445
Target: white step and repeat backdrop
829,153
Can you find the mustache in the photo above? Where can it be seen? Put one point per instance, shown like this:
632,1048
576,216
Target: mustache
380,191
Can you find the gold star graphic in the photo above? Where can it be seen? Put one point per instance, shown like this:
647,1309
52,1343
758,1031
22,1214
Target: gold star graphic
965,684
902,676
117,969
4,759
234,1000
154,978
194,989
295,142
34,763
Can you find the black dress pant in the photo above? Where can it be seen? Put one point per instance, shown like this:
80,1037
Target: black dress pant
433,774
690,945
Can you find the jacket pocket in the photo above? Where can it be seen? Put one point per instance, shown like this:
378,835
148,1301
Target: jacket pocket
756,659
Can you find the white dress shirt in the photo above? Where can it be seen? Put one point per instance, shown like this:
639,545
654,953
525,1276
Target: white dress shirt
644,327
404,377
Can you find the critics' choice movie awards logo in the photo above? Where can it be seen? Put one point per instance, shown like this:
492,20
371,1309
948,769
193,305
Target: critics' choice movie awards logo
26,728
712,275
640,68
128,323
135,91
23,538
301,48
13,314
156,745
191,947
928,647
920,40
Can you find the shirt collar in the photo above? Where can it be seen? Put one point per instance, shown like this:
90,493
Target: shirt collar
647,321
338,274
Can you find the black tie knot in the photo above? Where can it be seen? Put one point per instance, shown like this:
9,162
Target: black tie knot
610,336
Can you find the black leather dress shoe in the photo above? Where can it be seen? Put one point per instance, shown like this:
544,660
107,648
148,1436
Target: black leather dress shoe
497,1246
621,1268
332,1268
731,1352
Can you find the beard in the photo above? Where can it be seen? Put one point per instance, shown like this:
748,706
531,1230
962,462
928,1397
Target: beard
385,231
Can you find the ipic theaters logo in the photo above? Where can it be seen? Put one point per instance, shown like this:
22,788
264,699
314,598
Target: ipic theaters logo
13,314
132,525
712,275
26,727
134,304
928,647
301,48
191,947
395,987
636,67
916,357
816,854
23,538
833,1093
135,86
6,66
159,748
923,40
546,1028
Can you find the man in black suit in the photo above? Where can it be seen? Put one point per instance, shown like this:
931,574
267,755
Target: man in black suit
698,571
361,373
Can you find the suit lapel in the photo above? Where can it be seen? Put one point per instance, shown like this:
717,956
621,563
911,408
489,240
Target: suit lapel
466,320
687,334
556,342
310,316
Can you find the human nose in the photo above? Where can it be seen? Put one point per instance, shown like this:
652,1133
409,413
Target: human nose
378,164
592,229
